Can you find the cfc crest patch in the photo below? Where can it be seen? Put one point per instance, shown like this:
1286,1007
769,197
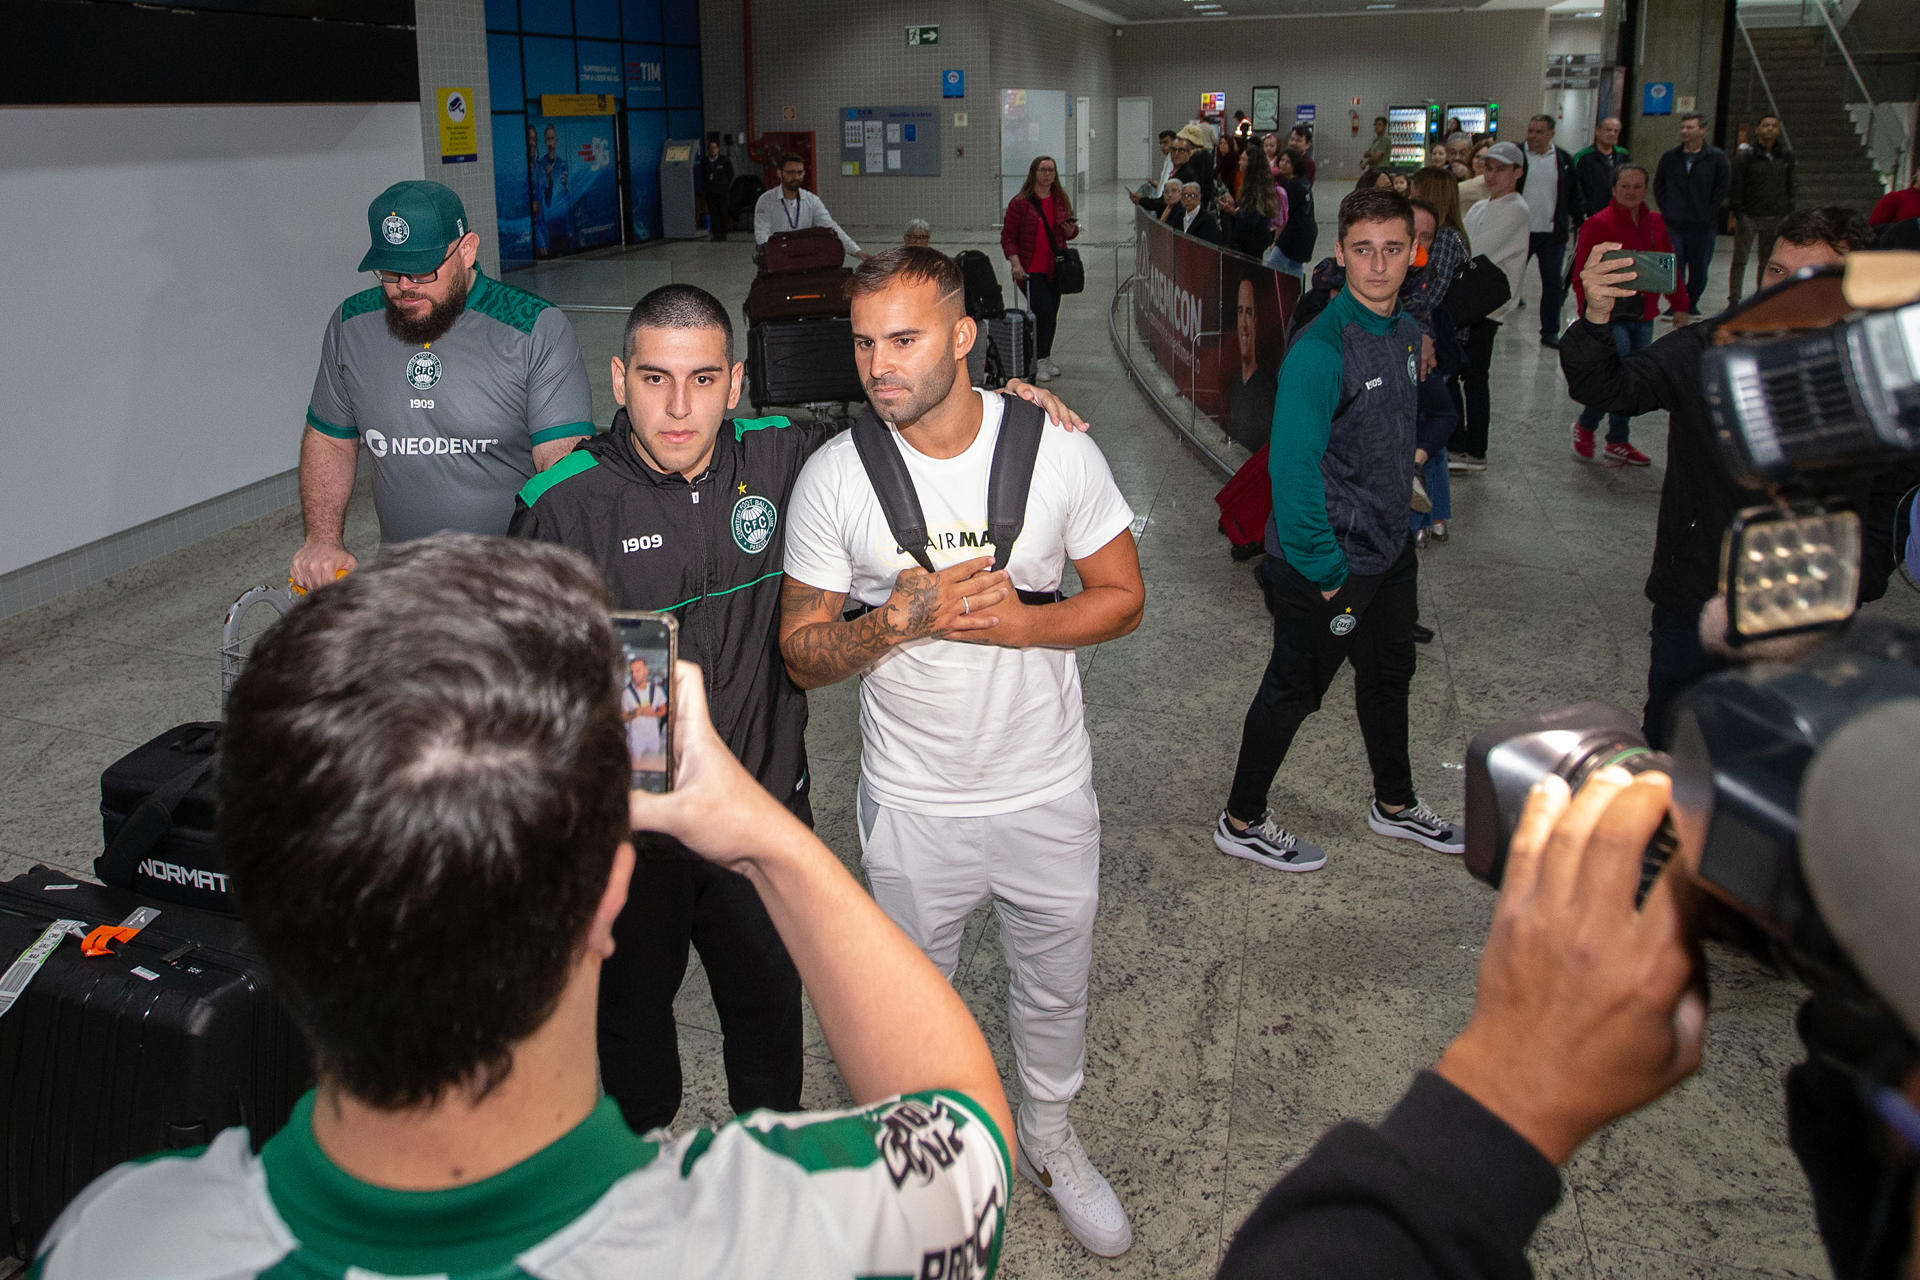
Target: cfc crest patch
754,520
423,371
395,229
1342,624
1413,367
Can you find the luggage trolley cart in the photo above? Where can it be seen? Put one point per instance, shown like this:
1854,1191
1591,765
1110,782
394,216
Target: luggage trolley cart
236,640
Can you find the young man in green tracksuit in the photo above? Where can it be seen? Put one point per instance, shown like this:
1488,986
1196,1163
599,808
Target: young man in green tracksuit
1340,562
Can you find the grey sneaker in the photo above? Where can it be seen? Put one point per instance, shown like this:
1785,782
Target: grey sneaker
1267,843
1420,824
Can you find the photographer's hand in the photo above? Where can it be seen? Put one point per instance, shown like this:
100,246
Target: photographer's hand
1588,1008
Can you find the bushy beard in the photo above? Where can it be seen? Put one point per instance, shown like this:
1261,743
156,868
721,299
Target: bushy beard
432,326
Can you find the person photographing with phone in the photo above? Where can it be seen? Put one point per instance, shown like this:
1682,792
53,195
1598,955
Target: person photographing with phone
1034,234
1627,223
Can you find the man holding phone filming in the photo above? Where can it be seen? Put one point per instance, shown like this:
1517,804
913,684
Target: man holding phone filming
681,507
457,1126
1698,499
1628,223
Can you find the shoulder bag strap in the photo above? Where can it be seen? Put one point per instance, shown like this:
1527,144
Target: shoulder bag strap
150,822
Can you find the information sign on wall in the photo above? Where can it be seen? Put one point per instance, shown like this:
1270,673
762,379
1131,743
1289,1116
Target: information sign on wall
923,35
1303,114
576,104
459,134
1266,107
1657,99
890,141
953,84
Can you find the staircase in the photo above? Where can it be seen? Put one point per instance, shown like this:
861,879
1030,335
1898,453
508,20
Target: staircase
1831,163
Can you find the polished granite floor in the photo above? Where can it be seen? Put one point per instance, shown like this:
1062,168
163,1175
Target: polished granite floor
1236,1012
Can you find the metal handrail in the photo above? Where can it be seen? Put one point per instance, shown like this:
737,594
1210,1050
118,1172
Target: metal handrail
1123,348
1753,61
1841,44
1904,144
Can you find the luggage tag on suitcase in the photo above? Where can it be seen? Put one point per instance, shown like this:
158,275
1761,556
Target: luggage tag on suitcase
21,971
96,943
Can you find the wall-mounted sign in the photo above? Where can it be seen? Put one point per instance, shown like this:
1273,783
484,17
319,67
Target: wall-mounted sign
1266,107
790,114
1656,99
459,135
1213,104
923,35
576,104
1303,114
953,83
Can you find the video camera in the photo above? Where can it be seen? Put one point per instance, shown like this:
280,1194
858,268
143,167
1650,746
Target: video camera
1792,781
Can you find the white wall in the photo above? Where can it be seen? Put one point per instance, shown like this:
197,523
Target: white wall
170,273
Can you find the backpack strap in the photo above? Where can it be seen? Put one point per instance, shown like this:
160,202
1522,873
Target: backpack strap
887,472
1021,423
151,821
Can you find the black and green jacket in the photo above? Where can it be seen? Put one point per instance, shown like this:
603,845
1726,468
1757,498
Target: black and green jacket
707,550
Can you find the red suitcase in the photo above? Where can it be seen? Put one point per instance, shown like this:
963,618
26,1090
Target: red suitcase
810,250
799,293
1245,503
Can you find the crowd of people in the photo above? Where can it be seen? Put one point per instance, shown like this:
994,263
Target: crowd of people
459,1125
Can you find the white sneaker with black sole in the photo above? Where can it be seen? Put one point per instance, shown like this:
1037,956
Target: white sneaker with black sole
1267,843
1088,1207
1419,824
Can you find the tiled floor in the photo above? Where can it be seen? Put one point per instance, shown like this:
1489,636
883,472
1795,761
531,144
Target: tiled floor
1236,1013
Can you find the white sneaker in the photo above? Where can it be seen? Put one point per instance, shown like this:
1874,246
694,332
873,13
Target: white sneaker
1042,372
1087,1204
1053,370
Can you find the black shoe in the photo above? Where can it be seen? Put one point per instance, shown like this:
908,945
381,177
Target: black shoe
1422,635
1550,341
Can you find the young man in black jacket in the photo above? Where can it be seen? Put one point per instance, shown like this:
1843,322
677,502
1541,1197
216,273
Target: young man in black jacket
1761,195
1690,186
1698,498
681,508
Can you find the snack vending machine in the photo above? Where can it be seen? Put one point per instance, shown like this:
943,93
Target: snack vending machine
1410,131
1474,117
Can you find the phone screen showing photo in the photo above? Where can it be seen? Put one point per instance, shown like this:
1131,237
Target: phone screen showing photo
646,643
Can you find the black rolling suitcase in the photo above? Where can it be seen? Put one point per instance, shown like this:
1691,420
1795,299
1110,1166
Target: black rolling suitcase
807,361
160,1045
1003,349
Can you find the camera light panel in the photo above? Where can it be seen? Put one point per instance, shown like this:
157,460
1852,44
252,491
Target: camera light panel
1794,572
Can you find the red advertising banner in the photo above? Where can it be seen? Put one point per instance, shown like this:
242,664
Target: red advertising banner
1216,322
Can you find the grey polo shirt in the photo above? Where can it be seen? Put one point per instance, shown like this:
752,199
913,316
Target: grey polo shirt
449,426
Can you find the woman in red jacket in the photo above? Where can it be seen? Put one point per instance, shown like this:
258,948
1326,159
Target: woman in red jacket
1897,206
1628,222
1038,224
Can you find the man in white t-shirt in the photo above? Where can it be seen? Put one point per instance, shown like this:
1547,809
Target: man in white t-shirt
643,709
791,207
976,769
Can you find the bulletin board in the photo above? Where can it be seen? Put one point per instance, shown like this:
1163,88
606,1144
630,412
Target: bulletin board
890,142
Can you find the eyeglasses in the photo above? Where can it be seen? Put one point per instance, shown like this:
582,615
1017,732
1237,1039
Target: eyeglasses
401,277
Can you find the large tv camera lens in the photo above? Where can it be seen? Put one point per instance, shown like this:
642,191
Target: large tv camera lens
1576,742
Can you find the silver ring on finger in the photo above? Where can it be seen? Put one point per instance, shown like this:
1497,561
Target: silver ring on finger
966,605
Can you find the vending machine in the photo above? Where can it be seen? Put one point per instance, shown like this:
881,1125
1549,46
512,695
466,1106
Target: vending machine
1474,117
1410,131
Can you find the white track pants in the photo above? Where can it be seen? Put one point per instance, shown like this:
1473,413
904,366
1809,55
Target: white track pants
1041,869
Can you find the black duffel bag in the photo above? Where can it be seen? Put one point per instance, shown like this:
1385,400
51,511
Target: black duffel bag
156,810
1478,290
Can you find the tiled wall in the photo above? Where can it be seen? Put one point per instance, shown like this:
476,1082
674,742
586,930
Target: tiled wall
1041,45
452,37
822,56
723,69
1383,60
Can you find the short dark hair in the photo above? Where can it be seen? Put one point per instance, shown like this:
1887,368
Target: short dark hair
1768,115
1166,134
1839,228
1547,120
422,782
1629,168
1379,119
908,264
1375,204
791,157
1304,130
677,306
1694,115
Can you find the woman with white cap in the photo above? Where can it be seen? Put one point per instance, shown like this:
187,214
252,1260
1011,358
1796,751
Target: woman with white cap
1498,228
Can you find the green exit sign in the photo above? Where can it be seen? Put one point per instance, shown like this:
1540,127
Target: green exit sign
923,35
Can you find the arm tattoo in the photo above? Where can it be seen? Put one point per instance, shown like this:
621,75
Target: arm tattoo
822,650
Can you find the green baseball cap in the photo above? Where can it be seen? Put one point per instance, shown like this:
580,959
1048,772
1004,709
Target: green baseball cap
411,224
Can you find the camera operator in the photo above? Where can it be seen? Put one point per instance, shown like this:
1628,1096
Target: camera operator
1698,498
432,867
1587,1009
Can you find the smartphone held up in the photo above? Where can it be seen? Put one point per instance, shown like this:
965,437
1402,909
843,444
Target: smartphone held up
647,644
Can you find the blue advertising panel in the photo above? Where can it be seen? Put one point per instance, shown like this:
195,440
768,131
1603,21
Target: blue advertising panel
503,15
503,73
597,18
682,18
646,76
575,187
549,67
600,68
953,84
552,16
646,139
640,19
683,77
512,152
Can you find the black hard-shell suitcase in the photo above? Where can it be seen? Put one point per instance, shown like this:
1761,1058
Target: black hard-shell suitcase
161,1045
982,284
1009,339
798,294
793,362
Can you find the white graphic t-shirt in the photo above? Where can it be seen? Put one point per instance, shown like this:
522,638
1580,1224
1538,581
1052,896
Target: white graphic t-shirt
947,728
